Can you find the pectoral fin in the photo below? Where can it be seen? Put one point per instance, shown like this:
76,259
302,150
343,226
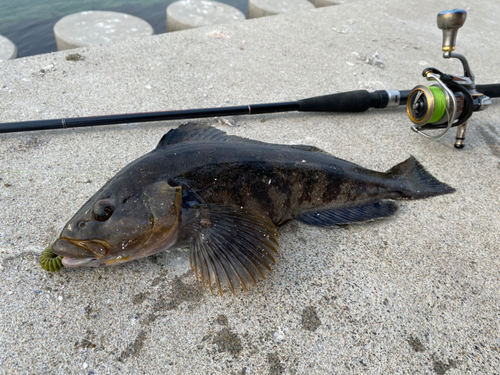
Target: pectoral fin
232,245
345,215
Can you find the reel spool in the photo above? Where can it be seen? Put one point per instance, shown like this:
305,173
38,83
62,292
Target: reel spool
431,105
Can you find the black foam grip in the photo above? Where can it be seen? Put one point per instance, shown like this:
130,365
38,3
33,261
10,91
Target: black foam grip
379,99
493,91
352,101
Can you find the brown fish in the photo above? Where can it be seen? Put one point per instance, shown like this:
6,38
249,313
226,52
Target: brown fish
223,196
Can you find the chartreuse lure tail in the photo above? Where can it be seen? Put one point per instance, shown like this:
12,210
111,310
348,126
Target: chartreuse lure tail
51,262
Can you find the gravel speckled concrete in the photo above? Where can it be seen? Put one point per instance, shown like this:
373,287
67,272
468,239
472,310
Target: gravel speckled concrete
418,293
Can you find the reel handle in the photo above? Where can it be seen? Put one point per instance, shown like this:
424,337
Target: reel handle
450,21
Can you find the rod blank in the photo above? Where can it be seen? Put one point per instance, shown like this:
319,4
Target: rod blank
77,122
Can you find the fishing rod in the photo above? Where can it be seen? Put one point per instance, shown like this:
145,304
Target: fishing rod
448,102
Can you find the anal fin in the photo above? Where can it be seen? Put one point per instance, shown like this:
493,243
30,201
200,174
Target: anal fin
345,215
232,246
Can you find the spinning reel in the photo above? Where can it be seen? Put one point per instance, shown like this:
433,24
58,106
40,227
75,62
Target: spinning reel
450,100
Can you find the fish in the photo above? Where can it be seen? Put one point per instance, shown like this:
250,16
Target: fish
224,197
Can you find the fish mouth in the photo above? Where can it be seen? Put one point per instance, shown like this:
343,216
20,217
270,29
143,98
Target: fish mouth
79,253
80,262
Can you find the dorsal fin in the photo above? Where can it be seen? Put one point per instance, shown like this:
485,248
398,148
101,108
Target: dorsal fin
309,149
191,131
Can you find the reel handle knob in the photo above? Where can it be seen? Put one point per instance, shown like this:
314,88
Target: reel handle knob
450,21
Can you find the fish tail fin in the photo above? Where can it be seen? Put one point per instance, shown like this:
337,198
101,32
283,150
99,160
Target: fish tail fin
417,183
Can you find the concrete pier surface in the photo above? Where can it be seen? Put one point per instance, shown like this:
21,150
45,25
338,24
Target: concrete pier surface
417,293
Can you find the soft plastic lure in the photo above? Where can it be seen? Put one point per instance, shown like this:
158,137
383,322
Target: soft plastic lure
51,262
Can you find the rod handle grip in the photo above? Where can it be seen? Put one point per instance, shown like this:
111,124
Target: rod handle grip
493,90
351,101
354,101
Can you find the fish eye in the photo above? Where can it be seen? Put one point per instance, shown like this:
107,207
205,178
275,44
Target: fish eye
103,210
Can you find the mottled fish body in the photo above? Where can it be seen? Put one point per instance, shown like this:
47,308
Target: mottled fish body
224,196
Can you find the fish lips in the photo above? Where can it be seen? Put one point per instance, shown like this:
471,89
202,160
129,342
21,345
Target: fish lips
80,262
79,253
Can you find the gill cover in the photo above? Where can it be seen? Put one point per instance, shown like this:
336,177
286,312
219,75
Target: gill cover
164,204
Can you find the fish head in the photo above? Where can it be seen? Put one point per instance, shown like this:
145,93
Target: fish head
119,224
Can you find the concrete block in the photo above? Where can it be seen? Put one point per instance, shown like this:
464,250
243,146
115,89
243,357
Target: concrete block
98,27
190,14
8,50
263,8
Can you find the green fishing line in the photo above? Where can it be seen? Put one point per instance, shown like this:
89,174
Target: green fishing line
51,262
440,104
